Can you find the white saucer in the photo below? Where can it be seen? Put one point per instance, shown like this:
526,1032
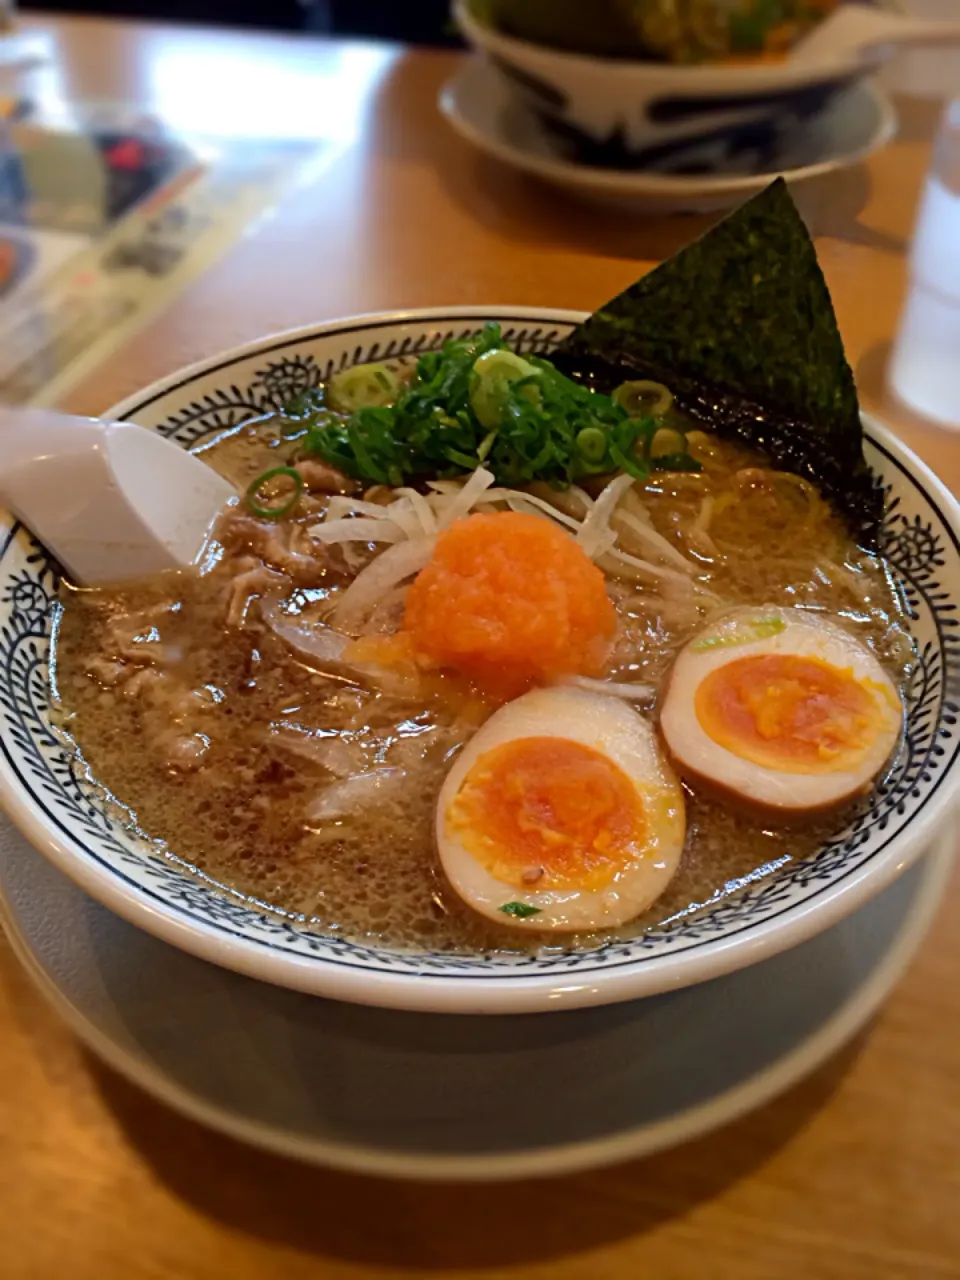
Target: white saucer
479,104
447,1096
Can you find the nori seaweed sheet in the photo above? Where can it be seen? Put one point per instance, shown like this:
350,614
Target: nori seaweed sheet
741,327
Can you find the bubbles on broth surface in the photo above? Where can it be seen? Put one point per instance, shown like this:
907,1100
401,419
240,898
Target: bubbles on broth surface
218,739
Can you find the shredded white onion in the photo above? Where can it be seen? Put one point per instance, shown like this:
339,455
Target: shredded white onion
315,642
704,515
575,502
402,513
357,529
656,541
385,616
413,519
633,503
340,506
422,510
524,501
597,523
606,541
330,753
698,532
660,573
467,496
615,688
389,569
684,585
353,794
355,555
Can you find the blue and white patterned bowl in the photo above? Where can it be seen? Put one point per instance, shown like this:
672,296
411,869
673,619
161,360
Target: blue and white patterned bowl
61,812
630,113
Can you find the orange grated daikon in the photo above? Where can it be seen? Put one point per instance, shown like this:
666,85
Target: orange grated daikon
510,601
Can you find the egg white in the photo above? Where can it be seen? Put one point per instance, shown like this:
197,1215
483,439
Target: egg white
610,726
696,754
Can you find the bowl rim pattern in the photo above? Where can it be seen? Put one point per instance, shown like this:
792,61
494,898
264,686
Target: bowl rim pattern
185,910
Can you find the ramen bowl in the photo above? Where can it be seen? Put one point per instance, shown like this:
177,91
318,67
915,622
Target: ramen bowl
52,799
670,117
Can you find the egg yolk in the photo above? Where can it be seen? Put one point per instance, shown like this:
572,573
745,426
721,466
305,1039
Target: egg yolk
548,813
510,601
791,713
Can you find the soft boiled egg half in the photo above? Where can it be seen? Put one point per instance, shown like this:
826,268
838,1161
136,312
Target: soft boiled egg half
561,813
781,709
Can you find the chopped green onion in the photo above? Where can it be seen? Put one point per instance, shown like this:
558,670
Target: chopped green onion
592,444
287,504
490,382
459,459
476,402
667,441
629,462
643,399
520,910
486,444
362,387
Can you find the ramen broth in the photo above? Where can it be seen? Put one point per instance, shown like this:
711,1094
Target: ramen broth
313,791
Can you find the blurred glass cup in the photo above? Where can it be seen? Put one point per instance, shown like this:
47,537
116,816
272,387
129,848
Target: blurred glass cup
925,366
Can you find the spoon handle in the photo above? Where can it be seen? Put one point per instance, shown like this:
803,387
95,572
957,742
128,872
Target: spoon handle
911,31
28,436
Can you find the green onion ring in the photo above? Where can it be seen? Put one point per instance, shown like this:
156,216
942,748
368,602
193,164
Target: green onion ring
628,393
274,513
592,444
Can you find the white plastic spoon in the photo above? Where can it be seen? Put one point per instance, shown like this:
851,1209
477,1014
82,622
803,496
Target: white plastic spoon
111,500
855,32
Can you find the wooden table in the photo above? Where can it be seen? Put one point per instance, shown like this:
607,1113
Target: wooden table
856,1172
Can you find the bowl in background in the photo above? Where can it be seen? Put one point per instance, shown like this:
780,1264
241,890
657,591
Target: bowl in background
614,110
50,797
479,104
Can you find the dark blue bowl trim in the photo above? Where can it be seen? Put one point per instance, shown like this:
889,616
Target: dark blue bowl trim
764,134
350,327
218,927
764,137
548,93
11,534
808,98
